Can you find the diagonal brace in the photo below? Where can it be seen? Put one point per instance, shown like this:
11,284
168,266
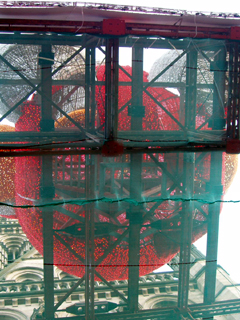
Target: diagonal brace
97,274
36,88
164,170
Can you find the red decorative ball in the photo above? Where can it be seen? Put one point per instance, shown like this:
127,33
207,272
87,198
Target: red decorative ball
156,247
7,177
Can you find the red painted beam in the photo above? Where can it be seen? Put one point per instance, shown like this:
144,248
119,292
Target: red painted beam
131,28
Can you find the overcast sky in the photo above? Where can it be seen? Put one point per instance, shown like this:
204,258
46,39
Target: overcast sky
231,6
203,5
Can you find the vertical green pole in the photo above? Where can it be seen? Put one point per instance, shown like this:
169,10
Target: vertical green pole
47,188
215,184
135,214
230,88
91,178
191,89
111,88
90,74
188,182
186,231
87,87
92,78
89,241
87,181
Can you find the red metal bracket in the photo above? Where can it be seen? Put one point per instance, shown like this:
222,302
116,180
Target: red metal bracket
235,33
112,148
114,27
233,146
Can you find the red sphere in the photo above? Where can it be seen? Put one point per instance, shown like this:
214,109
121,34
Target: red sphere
7,176
156,248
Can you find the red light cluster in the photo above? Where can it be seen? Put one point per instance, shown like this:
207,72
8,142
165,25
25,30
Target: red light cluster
156,249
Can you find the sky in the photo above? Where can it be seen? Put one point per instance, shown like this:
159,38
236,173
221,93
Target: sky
231,6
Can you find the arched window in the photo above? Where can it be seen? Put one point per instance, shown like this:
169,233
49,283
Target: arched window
28,277
26,274
9,314
165,303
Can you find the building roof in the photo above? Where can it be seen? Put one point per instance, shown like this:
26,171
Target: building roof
85,11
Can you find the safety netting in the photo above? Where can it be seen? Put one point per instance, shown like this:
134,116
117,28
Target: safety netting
89,140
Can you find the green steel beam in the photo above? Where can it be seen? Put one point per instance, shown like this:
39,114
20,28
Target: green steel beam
188,183
93,88
111,88
46,187
73,288
193,312
135,214
186,232
39,38
215,185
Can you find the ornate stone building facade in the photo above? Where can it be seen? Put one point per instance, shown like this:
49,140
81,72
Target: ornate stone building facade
22,285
